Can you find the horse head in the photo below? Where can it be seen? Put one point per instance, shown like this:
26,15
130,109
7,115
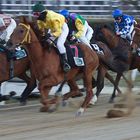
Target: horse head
21,34
105,34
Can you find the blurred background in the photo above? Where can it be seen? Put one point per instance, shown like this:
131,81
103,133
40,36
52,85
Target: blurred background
90,9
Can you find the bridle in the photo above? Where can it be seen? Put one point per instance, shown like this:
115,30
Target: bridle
27,38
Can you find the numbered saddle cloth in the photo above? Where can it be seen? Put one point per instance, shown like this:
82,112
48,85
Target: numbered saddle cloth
20,53
96,48
75,56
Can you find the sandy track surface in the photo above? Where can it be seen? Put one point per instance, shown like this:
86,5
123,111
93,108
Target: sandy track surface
27,123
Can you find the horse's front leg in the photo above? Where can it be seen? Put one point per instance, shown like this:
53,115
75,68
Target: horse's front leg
44,91
89,92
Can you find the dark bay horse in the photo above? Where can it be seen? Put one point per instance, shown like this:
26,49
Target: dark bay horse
120,50
20,68
133,59
47,66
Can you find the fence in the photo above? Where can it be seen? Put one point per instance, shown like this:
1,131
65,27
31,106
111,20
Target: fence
97,9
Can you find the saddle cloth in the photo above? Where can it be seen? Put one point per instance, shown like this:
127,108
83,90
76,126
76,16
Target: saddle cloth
75,56
97,49
20,53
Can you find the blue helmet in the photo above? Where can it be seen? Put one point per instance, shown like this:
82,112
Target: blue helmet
65,13
117,13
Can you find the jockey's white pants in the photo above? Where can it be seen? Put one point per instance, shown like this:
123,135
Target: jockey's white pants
88,31
62,38
87,35
5,35
128,35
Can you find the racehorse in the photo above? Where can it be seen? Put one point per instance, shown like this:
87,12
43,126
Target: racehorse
19,70
121,54
106,35
47,66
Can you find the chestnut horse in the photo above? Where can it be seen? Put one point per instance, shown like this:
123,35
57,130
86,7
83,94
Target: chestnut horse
47,66
120,48
20,67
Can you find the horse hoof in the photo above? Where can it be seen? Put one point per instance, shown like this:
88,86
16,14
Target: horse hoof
23,103
111,101
80,112
12,93
65,103
44,109
82,90
90,105
77,95
52,108
4,98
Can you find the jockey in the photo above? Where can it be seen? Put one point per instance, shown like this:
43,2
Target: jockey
78,26
55,23
7,26
124,24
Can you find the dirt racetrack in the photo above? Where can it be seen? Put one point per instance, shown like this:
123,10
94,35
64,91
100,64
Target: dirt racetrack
27,123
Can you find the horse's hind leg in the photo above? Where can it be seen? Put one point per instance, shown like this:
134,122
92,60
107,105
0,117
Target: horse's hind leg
110,78
118,77
74,90
31,84
59,90
100,83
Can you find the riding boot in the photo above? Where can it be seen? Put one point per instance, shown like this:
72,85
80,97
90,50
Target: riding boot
4,97
66,66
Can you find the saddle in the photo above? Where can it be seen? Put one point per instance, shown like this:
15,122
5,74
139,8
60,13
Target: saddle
75,55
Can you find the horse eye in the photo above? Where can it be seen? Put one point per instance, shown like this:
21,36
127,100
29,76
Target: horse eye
21,31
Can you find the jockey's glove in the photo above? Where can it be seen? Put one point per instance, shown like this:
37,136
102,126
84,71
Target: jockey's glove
2,41
72,38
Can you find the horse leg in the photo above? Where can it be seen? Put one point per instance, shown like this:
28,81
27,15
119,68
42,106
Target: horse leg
118,77
44,91
31,84
89,93
59,90
110,78
3,97
100,83
74,90
129,83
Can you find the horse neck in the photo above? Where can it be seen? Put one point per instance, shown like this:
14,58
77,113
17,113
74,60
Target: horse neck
112,40
38,54
35,48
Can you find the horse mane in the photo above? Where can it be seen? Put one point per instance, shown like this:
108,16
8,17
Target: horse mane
98,35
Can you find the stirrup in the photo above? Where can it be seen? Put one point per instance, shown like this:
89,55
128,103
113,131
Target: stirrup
66,67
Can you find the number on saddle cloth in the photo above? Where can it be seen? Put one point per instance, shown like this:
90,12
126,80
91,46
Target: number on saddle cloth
97,49
75,56
20,53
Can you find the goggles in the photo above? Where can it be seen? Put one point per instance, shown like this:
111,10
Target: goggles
117,18
36,14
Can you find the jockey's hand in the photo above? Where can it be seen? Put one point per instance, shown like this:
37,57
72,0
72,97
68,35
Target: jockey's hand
118,34
73,38
2,41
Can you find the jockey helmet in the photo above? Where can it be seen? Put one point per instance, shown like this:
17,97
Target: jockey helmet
65,13
38,7
117,13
